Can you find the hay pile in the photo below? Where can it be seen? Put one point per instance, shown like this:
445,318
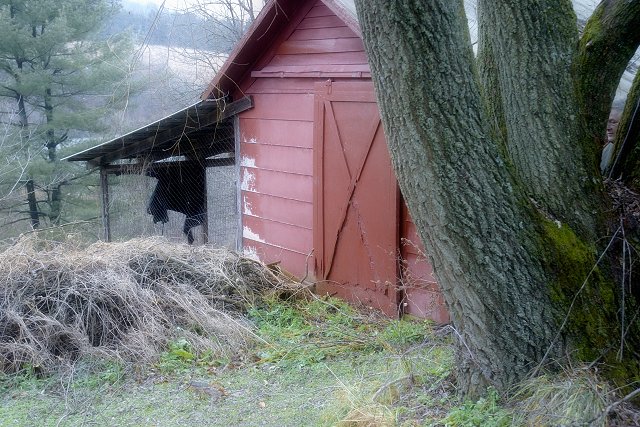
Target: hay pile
122,300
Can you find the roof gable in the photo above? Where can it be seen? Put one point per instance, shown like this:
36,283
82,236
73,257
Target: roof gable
265,30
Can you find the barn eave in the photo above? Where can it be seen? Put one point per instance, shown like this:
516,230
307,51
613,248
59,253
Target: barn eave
200,131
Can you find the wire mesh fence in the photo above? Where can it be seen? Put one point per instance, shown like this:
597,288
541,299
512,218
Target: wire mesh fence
183,201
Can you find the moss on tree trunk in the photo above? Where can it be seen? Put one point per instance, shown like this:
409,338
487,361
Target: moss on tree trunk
626,160
498,177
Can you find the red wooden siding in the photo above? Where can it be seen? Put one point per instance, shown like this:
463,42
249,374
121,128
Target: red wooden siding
277,158
293,212
275,183
322,33
301,47
277,170
276,136
422,296
277,132
270,106
319,10
277,234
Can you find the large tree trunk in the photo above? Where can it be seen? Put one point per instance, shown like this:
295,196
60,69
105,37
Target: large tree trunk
498,176
471,219
529,78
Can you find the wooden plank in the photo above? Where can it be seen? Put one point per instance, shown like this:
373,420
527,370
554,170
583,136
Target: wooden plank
422,295
278,209
276,132
319,10
426,304
278,158
323,33
281,106
277,234
279,184
277,71
411,243
347,16
237,139
139,168
293,262
418,272
278,85
264,55
312,74
410,234
338,58
321,22
106,221
297,47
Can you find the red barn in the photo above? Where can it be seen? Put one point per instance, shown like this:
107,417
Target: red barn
294,109
318,192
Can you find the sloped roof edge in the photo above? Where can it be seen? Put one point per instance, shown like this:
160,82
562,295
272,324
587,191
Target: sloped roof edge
273,17
154,137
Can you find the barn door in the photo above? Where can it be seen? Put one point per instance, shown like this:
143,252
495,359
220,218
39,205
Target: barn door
356,198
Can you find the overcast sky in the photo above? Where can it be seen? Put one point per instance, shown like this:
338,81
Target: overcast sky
169,4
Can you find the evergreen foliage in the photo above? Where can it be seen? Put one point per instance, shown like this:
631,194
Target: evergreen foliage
58,80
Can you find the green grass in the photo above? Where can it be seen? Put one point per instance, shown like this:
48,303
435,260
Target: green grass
486,412
316,363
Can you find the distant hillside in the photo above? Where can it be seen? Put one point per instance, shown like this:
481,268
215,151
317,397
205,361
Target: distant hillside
169,28
178,55
173,78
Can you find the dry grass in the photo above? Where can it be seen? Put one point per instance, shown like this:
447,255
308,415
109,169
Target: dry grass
575,398
124,300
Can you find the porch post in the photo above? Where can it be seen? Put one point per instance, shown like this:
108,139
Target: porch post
104,186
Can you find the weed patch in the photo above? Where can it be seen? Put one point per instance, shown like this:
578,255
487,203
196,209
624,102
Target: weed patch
125,301
485,412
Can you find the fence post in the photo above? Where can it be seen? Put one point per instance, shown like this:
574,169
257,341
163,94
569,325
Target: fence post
104,186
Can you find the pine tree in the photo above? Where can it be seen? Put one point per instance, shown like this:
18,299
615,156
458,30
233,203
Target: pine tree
58,80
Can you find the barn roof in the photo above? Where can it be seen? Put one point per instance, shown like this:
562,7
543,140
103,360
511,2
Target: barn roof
206,122
273,18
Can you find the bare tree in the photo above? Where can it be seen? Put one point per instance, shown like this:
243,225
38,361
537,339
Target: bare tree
227,20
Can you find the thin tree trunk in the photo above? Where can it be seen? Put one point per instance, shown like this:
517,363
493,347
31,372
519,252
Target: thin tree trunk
33,204
50,141
56,204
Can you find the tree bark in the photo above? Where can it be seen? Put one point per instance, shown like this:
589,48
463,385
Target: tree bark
55,203
626,161
474,223
607,45
50,138
33,204
500,177
532,55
